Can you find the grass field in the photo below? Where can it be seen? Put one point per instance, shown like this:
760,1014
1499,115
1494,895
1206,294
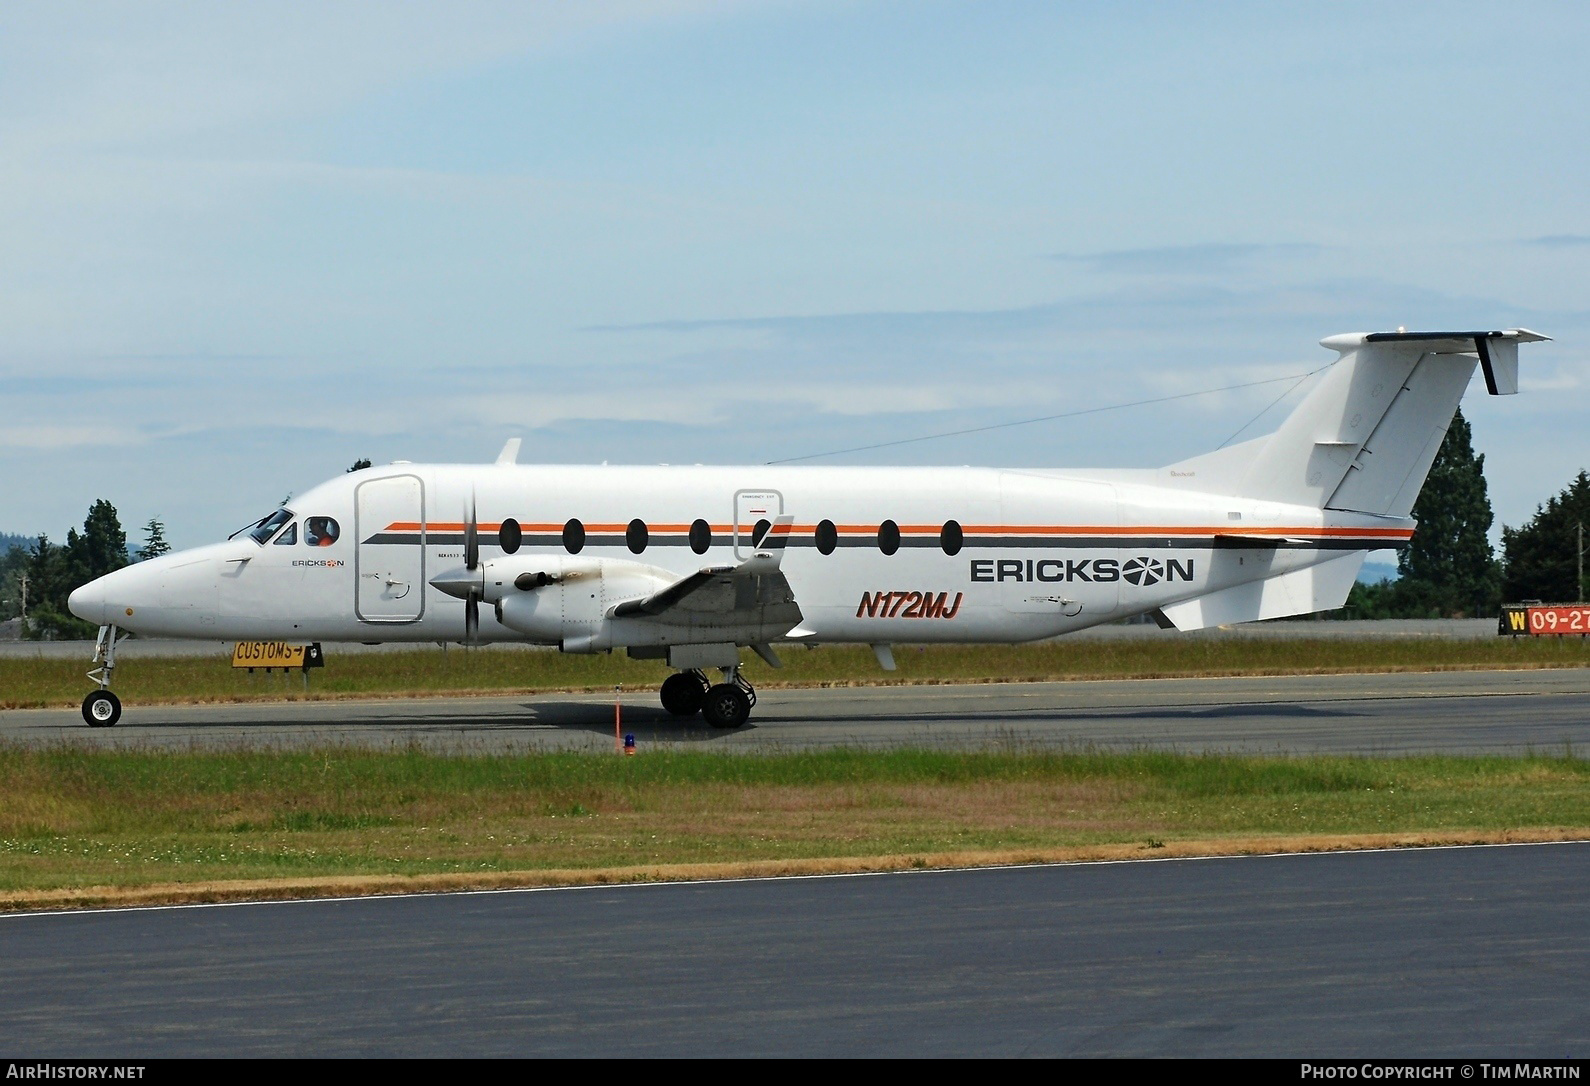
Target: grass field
81,826
37,683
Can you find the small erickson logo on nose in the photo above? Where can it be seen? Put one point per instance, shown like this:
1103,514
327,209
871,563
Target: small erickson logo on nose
1142,571
329,563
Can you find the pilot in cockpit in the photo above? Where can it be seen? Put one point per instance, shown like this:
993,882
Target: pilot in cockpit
320,531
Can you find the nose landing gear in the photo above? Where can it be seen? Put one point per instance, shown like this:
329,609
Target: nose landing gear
101,709
725,705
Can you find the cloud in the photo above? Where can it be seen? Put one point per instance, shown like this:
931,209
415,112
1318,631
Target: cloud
1559,241
64,436
120,74
1203,259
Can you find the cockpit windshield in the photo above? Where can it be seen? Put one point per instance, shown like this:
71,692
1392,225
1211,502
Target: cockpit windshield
261,530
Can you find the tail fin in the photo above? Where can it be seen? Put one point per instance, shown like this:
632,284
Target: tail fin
1364,438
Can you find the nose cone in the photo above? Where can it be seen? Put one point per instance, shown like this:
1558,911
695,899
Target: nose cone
118,596
89,603
460,582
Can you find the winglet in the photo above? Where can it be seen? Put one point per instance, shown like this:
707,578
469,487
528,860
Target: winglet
510,451
770,552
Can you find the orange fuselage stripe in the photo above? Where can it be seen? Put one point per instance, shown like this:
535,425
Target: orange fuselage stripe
1128,530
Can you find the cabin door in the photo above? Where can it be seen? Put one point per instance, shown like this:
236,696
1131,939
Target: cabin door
389,565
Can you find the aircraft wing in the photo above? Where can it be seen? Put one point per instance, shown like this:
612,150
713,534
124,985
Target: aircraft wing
725,594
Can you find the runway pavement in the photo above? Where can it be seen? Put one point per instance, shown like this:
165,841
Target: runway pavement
1458,712
1478,952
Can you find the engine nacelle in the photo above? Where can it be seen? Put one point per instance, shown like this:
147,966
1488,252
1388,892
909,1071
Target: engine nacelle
565,599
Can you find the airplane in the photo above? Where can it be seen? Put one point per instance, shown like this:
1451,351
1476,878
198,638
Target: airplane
692,565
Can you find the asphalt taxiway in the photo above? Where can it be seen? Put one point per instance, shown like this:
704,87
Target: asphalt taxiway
1454,712
1474,952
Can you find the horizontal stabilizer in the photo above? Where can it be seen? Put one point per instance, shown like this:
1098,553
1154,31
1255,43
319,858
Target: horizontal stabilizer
1302,592
1497,350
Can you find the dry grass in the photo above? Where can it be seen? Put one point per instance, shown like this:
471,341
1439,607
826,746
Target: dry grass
300,888
78,824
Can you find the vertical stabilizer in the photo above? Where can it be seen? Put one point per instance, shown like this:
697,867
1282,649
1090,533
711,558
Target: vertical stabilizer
1364,439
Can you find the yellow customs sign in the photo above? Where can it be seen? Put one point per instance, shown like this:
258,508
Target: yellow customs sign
252,654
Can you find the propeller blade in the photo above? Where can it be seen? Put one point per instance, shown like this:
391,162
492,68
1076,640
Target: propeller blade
471,618
471,538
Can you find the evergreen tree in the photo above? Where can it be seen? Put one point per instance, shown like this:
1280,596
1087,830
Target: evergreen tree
154,541
54,572
1377,600
12,567
47,591
1449,568
358,465
101,548
1542,561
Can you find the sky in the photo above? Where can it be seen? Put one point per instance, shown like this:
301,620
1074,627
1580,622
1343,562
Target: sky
242,246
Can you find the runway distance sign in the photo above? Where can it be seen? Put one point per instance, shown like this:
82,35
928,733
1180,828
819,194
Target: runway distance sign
1546,620
1559,620
273,654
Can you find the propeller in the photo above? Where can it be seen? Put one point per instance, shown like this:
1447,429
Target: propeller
471,537
469,582
472,564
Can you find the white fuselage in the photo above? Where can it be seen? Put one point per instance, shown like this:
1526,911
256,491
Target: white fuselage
1038,553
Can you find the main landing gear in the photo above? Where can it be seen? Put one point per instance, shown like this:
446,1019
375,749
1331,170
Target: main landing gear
101,709
724,705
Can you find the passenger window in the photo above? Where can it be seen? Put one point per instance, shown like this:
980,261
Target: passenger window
288,537
574,537
951,538
636,535
759,532
510,535
700,537
320,531
888,537
827,537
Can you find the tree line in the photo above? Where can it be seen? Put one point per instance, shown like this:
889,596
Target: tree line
36,579
1449,570
40,578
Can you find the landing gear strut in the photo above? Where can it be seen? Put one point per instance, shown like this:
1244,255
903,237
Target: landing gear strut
101,709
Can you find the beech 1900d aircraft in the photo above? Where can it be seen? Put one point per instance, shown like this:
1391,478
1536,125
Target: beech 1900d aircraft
690,565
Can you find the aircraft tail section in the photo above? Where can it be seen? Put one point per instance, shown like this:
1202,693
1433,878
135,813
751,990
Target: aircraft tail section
1364,438
1321,587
